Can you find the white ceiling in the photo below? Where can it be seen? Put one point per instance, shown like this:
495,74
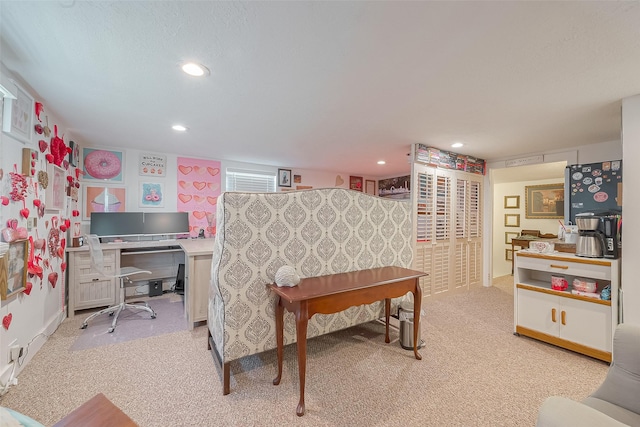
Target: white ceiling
329,85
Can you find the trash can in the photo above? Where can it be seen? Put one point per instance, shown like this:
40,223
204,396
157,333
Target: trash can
405,315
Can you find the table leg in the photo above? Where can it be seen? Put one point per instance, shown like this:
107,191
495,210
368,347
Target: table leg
279,338
417,308
387,314
301,335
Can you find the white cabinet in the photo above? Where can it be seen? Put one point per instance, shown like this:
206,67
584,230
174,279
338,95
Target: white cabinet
197,278
89,288
579,323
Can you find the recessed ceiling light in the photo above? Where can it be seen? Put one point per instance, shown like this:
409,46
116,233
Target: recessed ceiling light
179,128
457,144
381,162
194,69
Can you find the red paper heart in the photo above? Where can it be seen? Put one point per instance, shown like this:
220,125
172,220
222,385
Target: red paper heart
75,212
6,321
49,158
46,263
27,288
67,222
36,202
5,200
24,212
43,145
53,279
60,253
63,266
63,228
33,172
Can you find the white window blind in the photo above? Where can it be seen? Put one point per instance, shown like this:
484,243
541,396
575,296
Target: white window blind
251,181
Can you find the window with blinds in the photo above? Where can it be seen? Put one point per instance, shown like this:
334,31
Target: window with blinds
250,181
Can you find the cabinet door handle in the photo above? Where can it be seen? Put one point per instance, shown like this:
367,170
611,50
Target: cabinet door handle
563,317
95,280
563,267
553,315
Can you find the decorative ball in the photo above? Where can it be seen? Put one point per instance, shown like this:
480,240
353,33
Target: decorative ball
287,276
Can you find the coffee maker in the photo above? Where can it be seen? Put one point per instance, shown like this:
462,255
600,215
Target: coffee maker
609,228
591,241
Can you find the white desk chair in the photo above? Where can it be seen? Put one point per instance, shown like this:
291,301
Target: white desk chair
97,264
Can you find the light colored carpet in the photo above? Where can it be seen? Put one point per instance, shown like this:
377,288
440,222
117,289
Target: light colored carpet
474,372
134,324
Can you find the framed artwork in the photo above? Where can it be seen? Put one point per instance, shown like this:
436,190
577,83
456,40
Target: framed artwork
16,267
512,220
74,154
297,179
56,191
103,199
544,201
508,254
511,202
508,235
102,165
150,164
17,117
284,177
370,187
355,183
151,195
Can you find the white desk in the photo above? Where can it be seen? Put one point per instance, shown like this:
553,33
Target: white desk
88,289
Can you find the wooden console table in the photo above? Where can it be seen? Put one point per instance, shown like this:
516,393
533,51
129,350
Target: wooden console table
336,292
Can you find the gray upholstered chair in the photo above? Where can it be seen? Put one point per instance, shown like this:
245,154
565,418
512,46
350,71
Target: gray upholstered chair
616,402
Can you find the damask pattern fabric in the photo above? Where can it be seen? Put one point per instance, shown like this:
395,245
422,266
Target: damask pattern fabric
318,232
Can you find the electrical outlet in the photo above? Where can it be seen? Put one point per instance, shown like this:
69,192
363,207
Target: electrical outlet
15,351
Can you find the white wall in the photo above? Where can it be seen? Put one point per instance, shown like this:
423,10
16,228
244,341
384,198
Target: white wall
502,267
631,205
37,315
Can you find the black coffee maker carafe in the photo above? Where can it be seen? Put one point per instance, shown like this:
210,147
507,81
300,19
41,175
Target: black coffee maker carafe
609,229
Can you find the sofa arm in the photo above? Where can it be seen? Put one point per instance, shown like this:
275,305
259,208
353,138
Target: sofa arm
559,411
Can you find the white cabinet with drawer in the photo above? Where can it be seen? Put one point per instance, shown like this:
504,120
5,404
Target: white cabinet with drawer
580,323
90,289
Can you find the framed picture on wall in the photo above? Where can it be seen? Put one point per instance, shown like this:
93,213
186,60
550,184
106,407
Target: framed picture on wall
102,165
56,191
17,116
544,201
508,254
284,177
99,198
16,258
355,183
510,235
511,202
512,220
151,195
370,187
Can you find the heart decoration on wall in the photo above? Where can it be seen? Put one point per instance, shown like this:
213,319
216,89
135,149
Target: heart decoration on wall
27,288
6,321
53,279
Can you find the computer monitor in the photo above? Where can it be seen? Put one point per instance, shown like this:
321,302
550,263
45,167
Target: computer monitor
115,224
158,223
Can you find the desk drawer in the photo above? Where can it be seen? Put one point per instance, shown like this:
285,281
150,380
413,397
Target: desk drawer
594,268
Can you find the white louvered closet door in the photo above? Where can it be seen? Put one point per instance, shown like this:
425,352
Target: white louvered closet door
433,223
468,238
448,229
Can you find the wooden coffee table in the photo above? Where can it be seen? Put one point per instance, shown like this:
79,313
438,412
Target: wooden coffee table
96,412
336,292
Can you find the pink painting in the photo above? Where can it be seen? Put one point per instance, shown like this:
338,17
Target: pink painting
198,191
